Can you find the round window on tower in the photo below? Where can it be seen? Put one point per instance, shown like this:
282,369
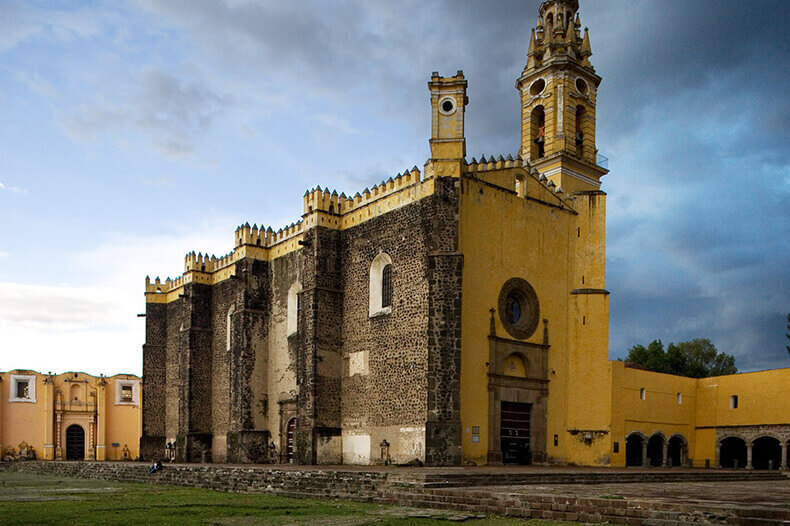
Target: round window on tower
519,310
581,86
537,87
447,106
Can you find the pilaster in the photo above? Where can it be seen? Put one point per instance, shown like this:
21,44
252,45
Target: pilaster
319,358
154,386
49,419
445,273
101,419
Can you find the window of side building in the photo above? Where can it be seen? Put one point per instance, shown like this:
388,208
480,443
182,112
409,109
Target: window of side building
127,392
23,388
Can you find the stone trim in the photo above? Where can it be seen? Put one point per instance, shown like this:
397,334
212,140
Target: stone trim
590,291
529,317
532,389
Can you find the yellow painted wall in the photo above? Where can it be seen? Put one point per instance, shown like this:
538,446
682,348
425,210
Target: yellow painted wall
22,421
762,400
123,423
503,236
80,399
658,412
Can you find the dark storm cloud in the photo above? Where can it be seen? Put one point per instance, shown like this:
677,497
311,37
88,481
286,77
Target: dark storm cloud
693,111
172,112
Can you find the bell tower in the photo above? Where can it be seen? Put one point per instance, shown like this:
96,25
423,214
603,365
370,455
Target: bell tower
558,90
448,143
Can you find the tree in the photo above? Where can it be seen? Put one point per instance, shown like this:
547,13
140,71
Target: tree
697,358
788,333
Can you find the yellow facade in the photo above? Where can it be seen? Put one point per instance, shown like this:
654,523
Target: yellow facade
549,229
69,416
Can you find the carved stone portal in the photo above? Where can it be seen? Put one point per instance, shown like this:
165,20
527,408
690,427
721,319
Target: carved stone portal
518,382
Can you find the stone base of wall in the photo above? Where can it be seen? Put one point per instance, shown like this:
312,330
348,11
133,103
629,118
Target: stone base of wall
152,448
419,489
248,447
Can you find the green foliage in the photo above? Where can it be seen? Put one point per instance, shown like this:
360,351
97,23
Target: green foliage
695,359
788,333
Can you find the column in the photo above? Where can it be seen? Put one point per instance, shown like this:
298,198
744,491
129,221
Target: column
100,428
91,448
718,455
49,420
749,456
644,454
664,463
58,448
783,466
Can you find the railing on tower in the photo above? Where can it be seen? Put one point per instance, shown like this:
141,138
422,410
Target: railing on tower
603,161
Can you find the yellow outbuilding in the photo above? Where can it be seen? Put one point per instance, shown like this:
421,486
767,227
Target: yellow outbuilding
69,416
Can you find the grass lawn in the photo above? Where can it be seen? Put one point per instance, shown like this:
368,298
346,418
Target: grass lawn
40,499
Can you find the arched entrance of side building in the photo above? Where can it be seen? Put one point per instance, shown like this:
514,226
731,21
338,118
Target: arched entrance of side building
732,452
766,453
655,450
75,442
677,451
634,445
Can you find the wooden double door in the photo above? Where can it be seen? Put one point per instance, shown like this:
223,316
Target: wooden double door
515,433
75,442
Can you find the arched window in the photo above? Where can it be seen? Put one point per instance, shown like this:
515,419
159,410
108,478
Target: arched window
515,366
74,392
538,131
293,308
579,134
380,291
229,327
521,187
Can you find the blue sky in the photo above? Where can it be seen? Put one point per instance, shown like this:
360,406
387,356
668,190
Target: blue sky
133,132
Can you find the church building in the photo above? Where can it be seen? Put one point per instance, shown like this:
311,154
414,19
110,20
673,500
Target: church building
69,416
452,315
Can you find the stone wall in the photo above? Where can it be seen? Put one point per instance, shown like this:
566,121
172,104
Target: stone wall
217,400
391,393
152,442
281,389
450,491
445,270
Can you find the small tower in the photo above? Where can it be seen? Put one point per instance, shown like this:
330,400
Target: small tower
448,143
558,90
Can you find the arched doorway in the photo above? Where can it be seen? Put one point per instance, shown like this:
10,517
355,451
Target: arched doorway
633,450
766,453
75,442
290,437
732,453
675,451
655,450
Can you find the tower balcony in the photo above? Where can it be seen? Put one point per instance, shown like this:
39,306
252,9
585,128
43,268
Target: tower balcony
602,161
